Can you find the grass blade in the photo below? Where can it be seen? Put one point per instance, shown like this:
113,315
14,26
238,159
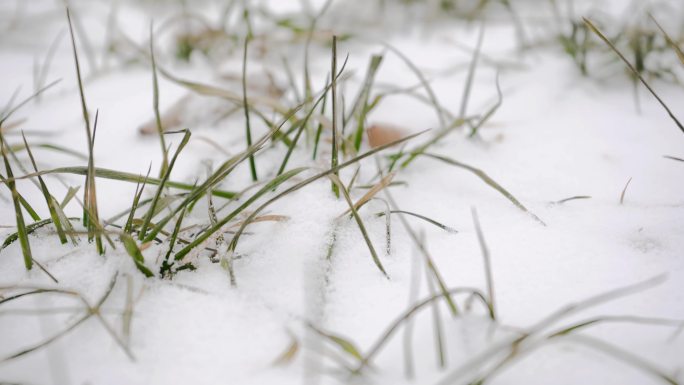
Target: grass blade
222,172
442,226
134,251
90,197
166,266
128,227
314,178
489,181
384,182
364,96
335,146
160,187
624,191
636,73
405,317
487,264
52,204
21,227
248,133
341,342
155,105
23,202
275,182
106,173
359,222
670,42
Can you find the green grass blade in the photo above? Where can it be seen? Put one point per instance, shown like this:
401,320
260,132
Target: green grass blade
489,181
52,204
302,125
128,227
106,173
359,222
23,202
426,219
53,147
275,182
487,264
30,229
343,343
221,173
134,251
160,187
166,266
335,138
21,227
155,105
305,183
248,129
6,115
471,75
363,98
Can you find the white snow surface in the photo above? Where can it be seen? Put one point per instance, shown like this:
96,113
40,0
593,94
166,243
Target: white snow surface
556,135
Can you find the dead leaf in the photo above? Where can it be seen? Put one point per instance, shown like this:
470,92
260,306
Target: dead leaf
381,134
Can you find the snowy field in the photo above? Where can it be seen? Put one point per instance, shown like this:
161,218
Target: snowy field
547,203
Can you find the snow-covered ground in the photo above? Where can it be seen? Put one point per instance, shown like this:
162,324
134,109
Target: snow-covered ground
556,135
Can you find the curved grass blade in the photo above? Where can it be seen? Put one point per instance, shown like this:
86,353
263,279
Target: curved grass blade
341,342
577,197
624,356
6,115
384,182
406,316
53,147
426,219
359,222
624,191
429,262
426,85
29,229
134,251
488,180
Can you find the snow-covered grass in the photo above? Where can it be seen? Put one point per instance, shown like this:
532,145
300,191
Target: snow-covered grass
482,192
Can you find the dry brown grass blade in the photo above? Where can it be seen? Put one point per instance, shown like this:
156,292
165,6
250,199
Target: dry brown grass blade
384,182
263,218
636,73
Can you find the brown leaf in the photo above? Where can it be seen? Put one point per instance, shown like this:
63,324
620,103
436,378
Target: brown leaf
381,134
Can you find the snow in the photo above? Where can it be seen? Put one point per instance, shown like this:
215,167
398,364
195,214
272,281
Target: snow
556,135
